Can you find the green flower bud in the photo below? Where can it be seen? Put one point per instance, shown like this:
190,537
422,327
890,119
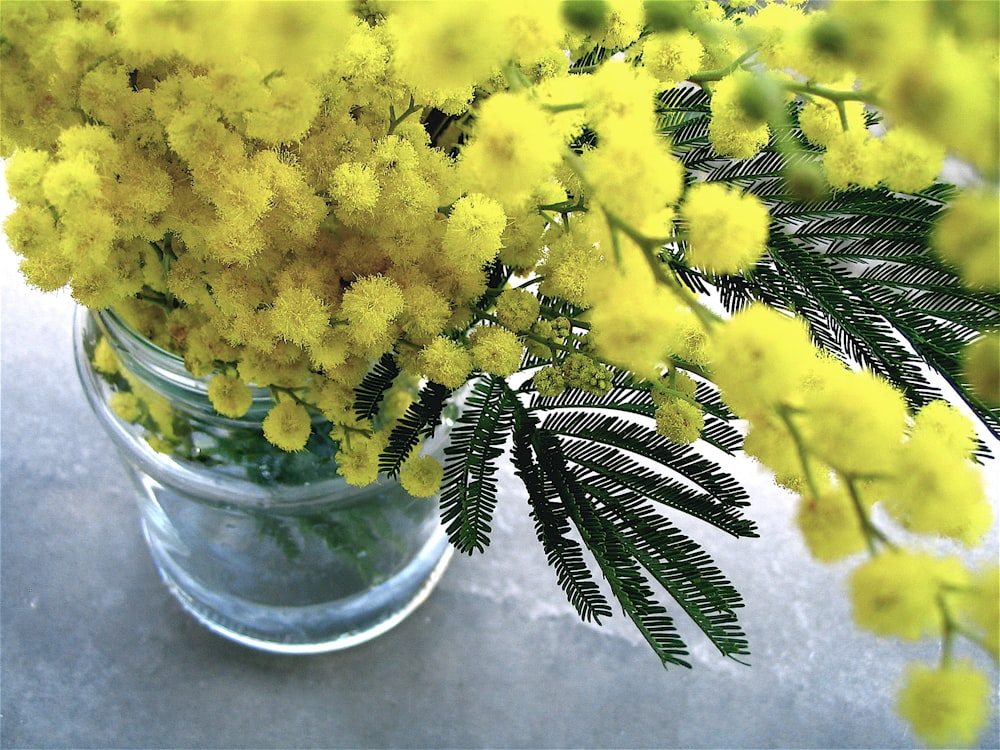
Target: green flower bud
761,99
588,16
831,37
805,182
668,15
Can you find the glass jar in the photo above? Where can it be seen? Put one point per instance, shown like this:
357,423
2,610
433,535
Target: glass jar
270,549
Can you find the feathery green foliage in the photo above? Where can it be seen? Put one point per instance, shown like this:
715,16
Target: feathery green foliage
856,265
379,379
469,493
420,420
598,509
602,485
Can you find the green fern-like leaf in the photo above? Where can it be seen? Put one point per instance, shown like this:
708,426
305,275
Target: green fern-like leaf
678,564
564,553
856,265
419,420
368,395
281,534
630,397
613,438
469,493
620,569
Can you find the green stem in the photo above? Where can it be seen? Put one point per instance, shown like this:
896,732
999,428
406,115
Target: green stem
516,79
658,386
575,322
564,206
394,121
157,298
834,95
948,630
786,415
531,282
557,108
842,111
409,344
872,532
291,393
707,76
650,250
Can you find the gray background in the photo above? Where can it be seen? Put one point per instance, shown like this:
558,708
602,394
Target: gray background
95,652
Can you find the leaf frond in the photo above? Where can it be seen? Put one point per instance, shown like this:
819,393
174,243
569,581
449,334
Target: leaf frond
679,565
419,420
469,494
620,569
552,527
368,395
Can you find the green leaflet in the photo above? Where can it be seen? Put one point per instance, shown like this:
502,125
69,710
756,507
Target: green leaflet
469,487
379,379
420,420
597,509
857,265
552,526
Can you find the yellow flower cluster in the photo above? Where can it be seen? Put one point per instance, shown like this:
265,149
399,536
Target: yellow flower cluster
947,705
283,208
846,442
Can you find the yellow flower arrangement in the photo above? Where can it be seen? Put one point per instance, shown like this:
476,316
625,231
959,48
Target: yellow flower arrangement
553,201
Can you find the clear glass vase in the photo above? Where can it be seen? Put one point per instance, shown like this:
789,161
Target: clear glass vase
270,549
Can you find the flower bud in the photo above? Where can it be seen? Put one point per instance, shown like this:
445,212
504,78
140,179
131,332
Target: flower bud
805,182
588,16
830,37
760,99
668,15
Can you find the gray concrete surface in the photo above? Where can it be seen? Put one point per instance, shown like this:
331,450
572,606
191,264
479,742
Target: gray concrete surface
95,652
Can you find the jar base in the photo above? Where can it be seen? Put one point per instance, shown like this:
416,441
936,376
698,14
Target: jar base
312,629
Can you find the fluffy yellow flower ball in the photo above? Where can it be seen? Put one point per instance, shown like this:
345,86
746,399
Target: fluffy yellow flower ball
911,161
672,56
635,321
981,367
421,477
820,120
760,358
571,261
496,350
946,706
442,49
830,525
300,316
287,426
680,421
933,490
514,149
517,309
370,306
231,397
853,158
855,421
967,237
357,461
474,229
896,593
356,190
731,131
446,362
727,230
